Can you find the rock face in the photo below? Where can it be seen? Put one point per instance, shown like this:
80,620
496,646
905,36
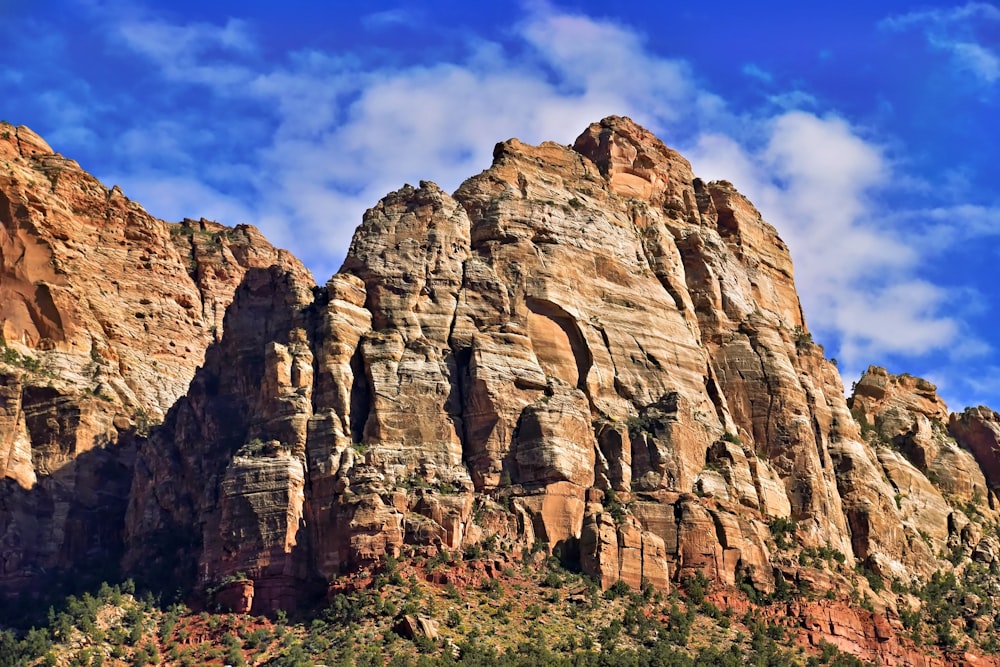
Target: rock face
584,347
936,468
105,314
978,429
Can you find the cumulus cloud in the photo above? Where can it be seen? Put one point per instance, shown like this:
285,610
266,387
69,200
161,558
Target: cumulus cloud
343,135
814,177
167,191
180,46
325,135
974,58
983,386
943,16
391,18
939,229
757,72
977,388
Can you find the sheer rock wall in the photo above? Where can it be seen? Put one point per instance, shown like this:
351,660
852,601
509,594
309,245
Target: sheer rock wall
583,346
105,314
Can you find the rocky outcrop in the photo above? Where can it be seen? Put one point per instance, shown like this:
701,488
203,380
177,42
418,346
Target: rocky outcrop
584,350
572,324
978,429
614,547
905,412
105,314
121,303
235,501
937,480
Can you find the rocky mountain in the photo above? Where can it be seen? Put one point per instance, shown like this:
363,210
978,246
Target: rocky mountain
584,351
106,313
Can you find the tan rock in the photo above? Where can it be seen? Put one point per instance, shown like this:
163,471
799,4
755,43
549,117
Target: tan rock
599,548
410,627
622,551
504,378
905,412
15,447
260,518
412,294
555,441
659,516
920,502
978,431
573,326
630,554
935,480
105,314
251,418
655,568
568,319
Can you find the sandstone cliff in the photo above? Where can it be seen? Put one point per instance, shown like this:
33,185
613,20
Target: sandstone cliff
105,314
584,350
583,347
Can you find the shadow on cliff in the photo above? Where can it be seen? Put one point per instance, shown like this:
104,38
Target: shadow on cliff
65,535
178,537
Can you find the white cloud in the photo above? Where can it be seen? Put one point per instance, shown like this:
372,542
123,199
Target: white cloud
11,76
70,111
180,50
941,228
345,135
173,197
813,177
972,57
341,134
391,18
983,385
952,31
942,16
757,72
169,43
980,385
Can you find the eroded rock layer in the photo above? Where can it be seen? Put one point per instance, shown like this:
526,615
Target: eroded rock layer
584,347
105,314
584,350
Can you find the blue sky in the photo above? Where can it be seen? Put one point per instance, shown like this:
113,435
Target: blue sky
865,132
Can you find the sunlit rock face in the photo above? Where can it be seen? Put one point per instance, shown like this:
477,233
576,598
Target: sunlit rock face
585,350
105,314
930,464
585,347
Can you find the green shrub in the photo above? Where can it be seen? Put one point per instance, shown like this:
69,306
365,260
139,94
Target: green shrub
617,590
782,529
874,580
695,587
803,339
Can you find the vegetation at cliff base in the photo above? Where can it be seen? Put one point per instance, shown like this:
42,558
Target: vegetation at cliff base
537,613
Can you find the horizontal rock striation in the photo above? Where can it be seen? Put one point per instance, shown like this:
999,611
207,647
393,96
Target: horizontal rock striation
105,314
584,350
583,347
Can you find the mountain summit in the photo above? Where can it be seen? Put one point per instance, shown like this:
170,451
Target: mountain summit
584,351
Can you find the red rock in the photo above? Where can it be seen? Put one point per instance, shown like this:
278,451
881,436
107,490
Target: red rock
114,310
583,346
236,597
